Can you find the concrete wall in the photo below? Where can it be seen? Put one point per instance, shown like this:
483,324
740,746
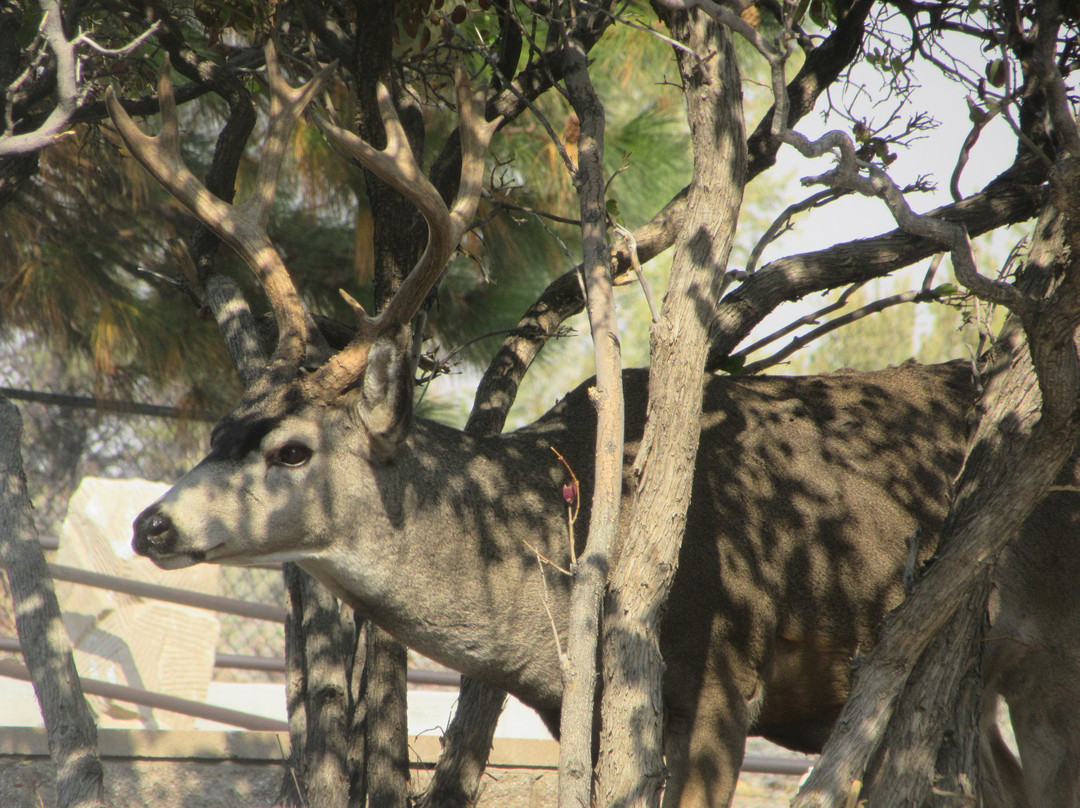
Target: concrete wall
193,769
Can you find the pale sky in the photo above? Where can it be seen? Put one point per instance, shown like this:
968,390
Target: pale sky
935,155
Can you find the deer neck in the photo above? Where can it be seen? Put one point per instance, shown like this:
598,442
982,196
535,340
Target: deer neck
447,561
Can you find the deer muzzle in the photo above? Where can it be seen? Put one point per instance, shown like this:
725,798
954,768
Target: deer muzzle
155,536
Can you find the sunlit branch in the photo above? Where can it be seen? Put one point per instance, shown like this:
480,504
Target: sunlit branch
855,175
807,319
631,244
69,94
783,222
800,342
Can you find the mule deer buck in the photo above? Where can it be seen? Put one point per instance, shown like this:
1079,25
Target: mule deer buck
805,492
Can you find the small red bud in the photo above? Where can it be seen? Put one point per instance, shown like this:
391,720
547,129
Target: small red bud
569,493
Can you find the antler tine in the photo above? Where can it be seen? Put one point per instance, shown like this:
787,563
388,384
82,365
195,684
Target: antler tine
287,104
475,136
242,226
476,133
397,166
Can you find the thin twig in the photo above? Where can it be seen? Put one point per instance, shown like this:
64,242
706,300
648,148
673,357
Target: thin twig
931,271
808,319
631,244
84,39
782,222
573,504
838,322
69,94
547,608
502,203
980,118
545,559
848,174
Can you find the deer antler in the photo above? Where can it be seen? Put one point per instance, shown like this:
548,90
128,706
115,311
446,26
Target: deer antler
396,166
241,226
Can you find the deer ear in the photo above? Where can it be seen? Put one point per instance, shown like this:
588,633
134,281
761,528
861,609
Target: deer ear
385,402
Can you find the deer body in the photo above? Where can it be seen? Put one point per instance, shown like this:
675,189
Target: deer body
805,494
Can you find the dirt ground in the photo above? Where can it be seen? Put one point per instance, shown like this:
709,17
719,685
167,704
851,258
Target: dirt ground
766,790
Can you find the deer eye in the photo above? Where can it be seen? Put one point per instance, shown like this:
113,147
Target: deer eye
292,455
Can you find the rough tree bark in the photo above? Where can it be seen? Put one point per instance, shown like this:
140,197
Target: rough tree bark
466,745
398,236
591,570
46,648
933,734
385,729
631,768
1019,449
321,771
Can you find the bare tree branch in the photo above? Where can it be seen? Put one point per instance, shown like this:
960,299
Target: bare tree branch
797,344
69,93
67,89
590,572
820,69
1014,196
46,647
1016,453
631,769
1044,63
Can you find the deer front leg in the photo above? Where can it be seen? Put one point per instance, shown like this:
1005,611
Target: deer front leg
704,746
1044,704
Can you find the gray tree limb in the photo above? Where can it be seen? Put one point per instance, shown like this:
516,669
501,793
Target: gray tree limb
1030,429
631,770
46,647
67,89
591,570
318,703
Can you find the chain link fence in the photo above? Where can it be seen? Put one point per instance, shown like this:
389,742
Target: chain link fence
65,441
242,635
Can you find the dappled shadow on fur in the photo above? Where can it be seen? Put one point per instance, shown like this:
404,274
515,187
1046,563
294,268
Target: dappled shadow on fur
805,495
806,492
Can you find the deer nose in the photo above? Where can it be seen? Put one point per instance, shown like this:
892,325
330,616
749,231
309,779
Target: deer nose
154,532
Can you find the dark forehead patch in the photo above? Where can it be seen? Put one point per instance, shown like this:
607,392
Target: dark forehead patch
232,439
259,412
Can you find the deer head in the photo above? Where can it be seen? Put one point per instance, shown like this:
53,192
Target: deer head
275,446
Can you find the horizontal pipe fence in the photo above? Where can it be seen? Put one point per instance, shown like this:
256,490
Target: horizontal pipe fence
257,611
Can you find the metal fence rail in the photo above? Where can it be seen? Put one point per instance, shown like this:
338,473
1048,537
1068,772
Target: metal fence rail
200,600
258,611
161,701
415,676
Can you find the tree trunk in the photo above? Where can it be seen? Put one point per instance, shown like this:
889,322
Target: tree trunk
590,571
321,769
386,738
347,681
1029,430
466,745
936,720
933,736
631,768
46,648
